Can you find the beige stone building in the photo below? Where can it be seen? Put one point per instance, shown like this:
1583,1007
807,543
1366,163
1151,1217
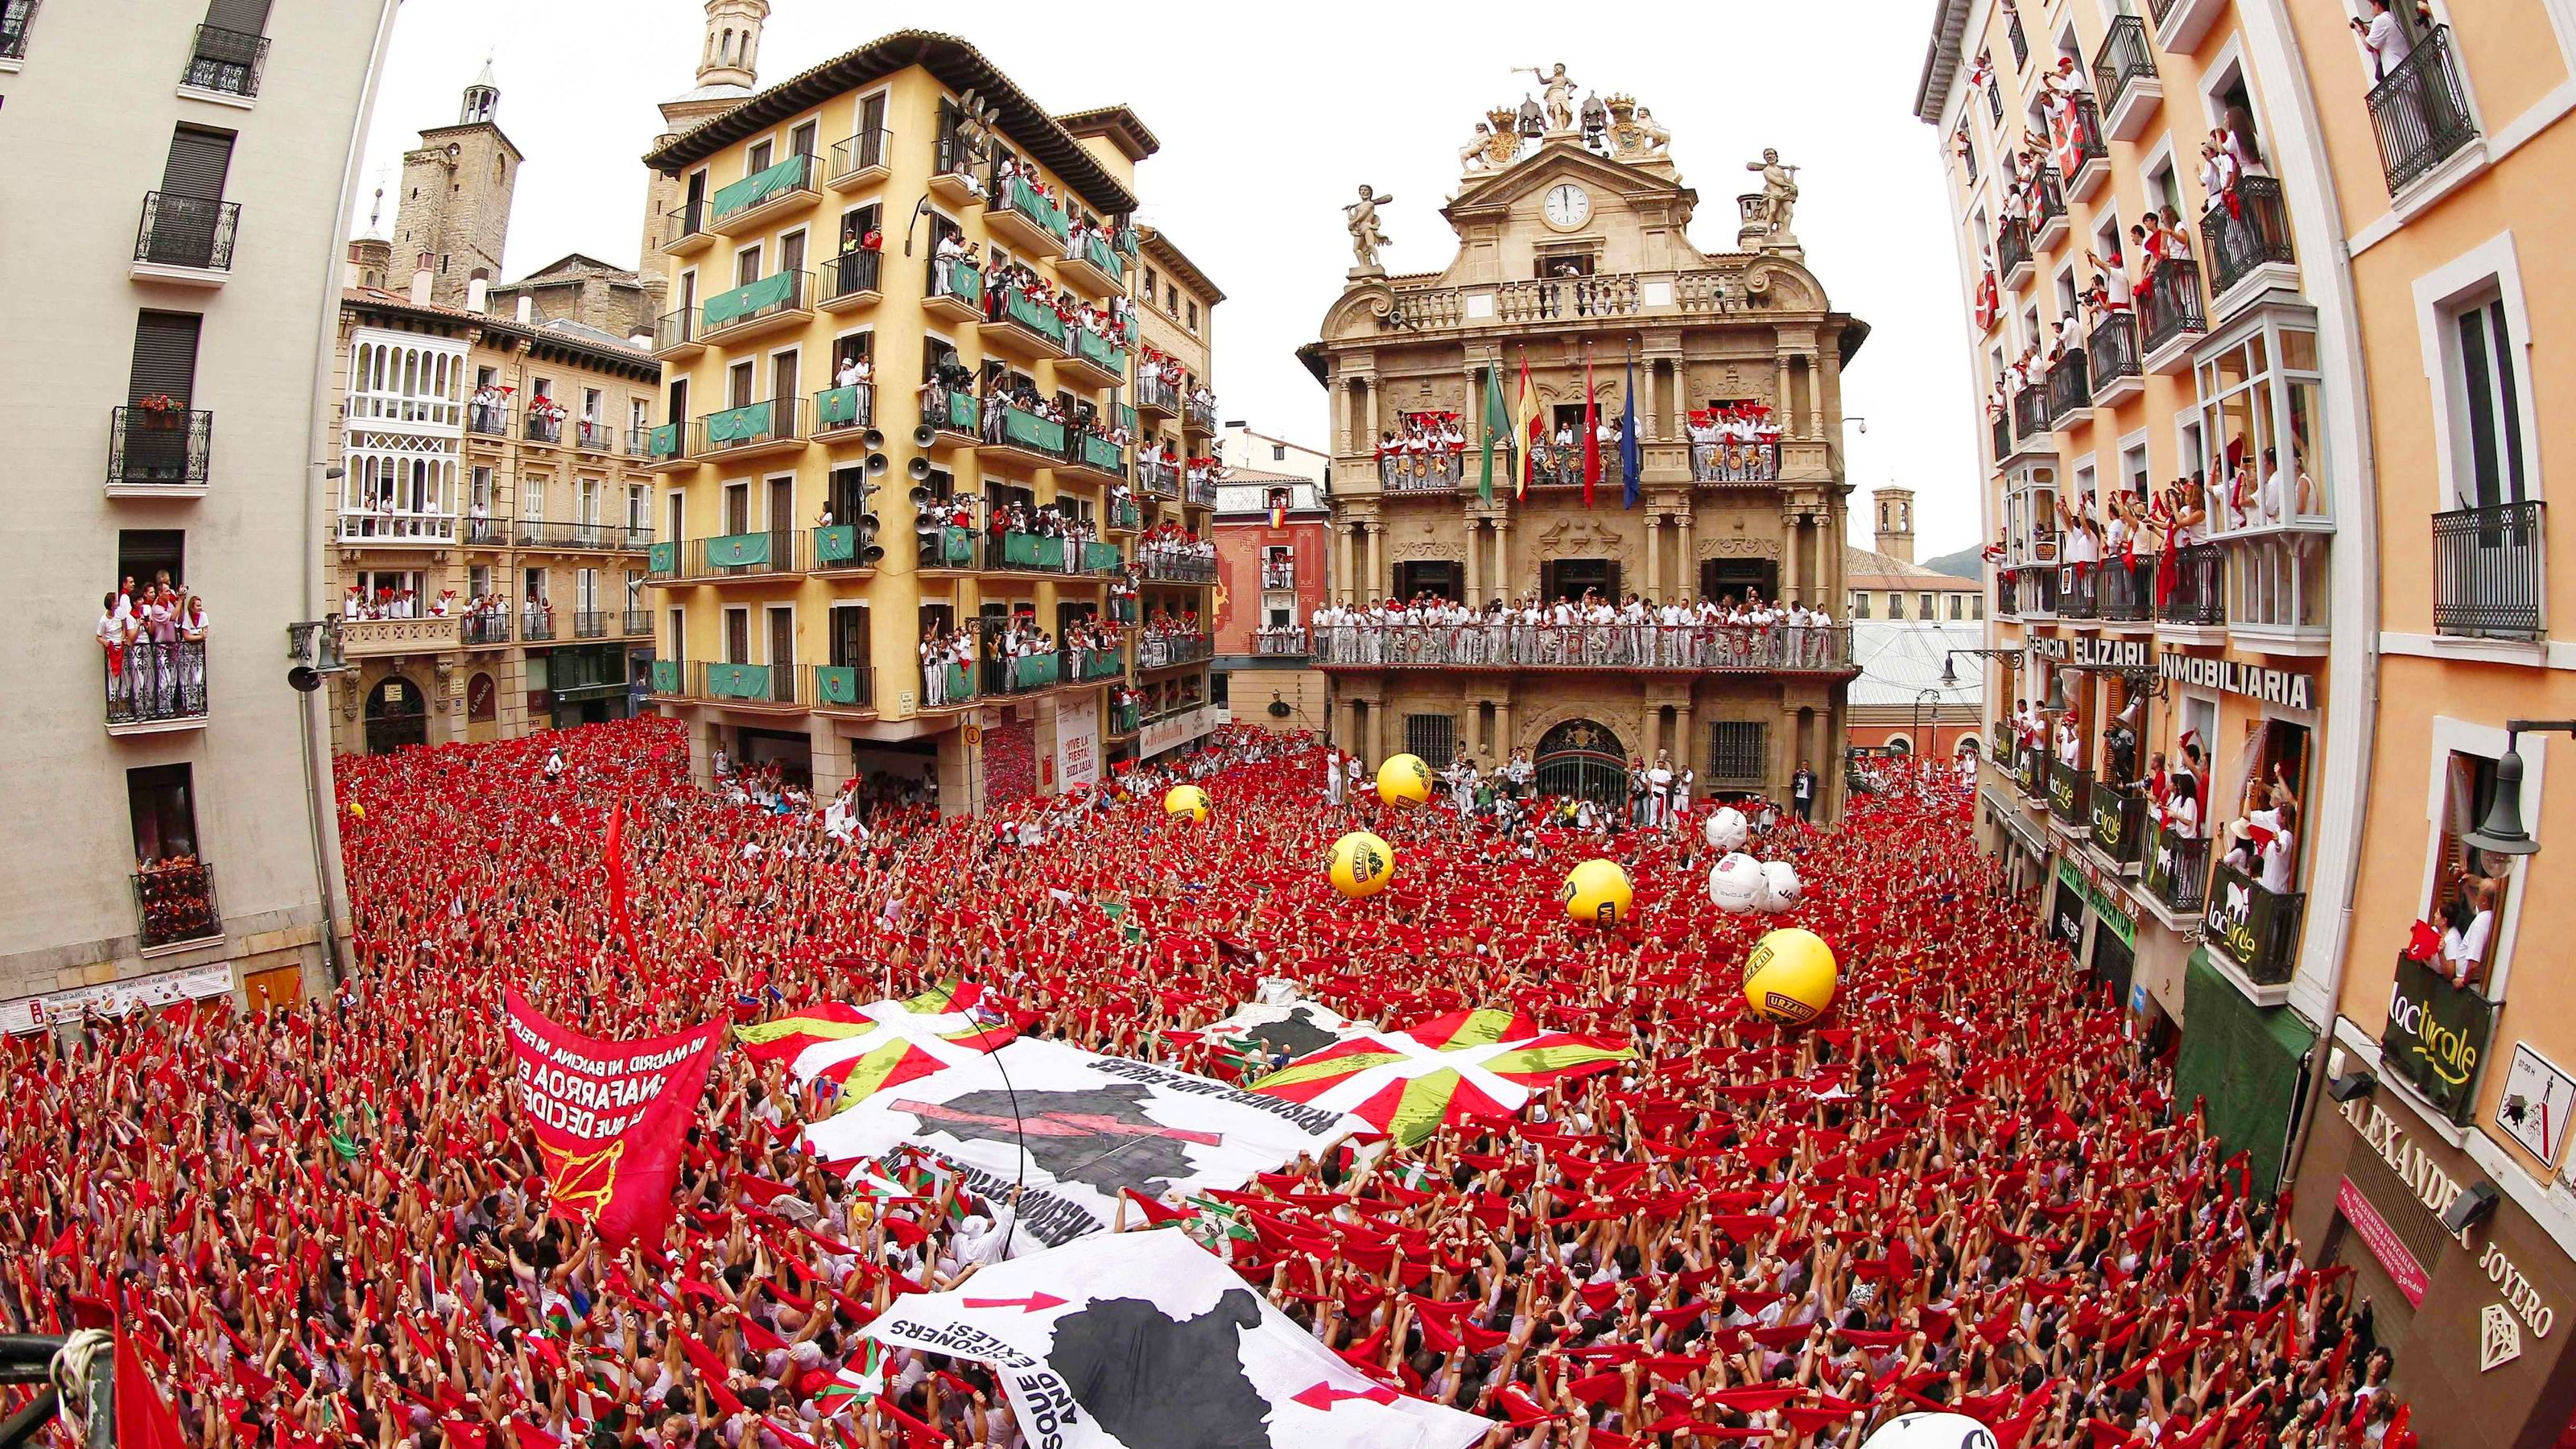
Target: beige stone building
1573,253
170,216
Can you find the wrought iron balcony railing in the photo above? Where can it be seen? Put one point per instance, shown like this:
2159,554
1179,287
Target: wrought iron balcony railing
2170,306
195,232
156,683
1483,644
175,904
159,447
2489,579
2420,112
226,61
2246,230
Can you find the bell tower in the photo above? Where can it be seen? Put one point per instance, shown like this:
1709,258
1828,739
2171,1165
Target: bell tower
1894,531
728,72
731,53
456,190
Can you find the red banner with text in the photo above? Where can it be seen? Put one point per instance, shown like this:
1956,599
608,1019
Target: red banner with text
609,1116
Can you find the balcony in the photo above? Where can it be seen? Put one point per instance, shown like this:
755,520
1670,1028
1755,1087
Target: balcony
1159,478
2277,586
2007,594
2070,391
2198,599
2048,220
591,624
860,160
2246,236
1703,649
1198,488
1732,462
2070,794
1155,398
734,557
953,290
1094,266
15,17
1022,437
755,309
1090,666
482,631
638,623
840,411
1027,553
1095,360
748,206
2001,424
662,563
952,172
2038,593
1280,644
2030,776
544,424
389,638
685,231
185,239
2076,586
2437,1036
945,546
2127,594
1198,417
174,905
1162,566
158,452
2030,418
850,281
844,688
847,547
2420,112
2251,927
1441,472
2175,873
2092,151
363,527
480,530
1279,576
1095,458
2488,576
1125,717
536,626
593,436
581,537
1024,328
749,685
2124,75
225,63
2181,24
771,429
2170,316
2112,361
1021,673
1123,516
157,687
666,447
1170,651
952,417
487,418
2012,254
639,442
1024,217
675,335
2119,823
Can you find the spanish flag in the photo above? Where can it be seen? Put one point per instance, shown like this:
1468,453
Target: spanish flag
1278,510
1525,429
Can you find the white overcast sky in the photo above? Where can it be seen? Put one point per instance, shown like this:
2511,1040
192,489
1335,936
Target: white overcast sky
1271,116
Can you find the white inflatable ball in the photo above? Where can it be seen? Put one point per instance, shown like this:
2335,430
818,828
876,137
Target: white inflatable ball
1931,1431
1736,884
1727,829
1779,886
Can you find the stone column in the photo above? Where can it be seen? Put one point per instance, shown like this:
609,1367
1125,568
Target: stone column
1503,728
1473,529
1829,389
1377,732
1375,430
1502,583
1787,402
1654,589
1376,560
1789,561
1685,748
1685,563
1344,579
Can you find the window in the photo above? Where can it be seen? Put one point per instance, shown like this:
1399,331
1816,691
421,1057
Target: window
2262,405
1927,610
1895,605
152,555
532,498
1739,752
165,357
478,580
1279,452
756,160
1958,606
535,585
2469,885
800,142
2485,392
585,591
1432,736
1153,284
1440,578
161,801
1172,299
677,632
1194,314
1860,604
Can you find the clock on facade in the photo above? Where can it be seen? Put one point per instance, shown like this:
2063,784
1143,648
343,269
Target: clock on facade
1568,206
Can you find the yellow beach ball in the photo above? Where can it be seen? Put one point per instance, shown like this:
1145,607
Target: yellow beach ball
1404,780
1187,800
357,811
1790,977
1362,864
1597,893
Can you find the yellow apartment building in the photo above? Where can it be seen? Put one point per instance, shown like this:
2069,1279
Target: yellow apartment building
2329,381
896,487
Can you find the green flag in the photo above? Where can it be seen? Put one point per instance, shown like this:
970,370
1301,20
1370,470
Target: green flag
1496,422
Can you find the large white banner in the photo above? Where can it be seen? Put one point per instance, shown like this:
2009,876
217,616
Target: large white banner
1092,1125
116,998
1144,1340
1077,744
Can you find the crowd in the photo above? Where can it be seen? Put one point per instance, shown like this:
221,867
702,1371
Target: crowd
1749,632
1967,1188
154,640
1735,443
1169,547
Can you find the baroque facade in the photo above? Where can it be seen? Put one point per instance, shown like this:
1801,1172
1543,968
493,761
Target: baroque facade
1573,267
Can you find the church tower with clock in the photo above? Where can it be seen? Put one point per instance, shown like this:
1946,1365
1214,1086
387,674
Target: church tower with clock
456,190
1598,626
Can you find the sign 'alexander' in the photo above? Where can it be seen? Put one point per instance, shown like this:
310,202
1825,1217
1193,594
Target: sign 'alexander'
2284,687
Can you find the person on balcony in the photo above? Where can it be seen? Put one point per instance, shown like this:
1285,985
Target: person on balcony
2385,36
2468,925
2266,838
856,371
115,636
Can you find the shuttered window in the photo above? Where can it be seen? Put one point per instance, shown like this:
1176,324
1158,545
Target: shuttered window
1739,752
198,162
250,17
165,356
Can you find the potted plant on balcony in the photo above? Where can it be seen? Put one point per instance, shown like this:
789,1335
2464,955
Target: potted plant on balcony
160,411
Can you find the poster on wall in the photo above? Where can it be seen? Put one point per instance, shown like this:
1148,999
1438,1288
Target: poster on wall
1077,745
2537,1100
116,998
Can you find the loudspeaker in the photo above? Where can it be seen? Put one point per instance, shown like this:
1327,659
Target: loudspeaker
924,435
304,678
870,554
878,463
917,469
2475,1204
867,523
921,497
873,439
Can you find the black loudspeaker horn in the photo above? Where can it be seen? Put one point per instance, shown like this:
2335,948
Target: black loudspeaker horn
871,554
924,435
304,679
878,463
873,439
867,523
918,469
921,497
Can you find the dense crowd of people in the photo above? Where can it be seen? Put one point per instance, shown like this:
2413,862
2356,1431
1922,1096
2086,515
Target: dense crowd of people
1968,1187
1734,632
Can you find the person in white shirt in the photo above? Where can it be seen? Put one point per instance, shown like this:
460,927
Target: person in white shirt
2468,924
2386,37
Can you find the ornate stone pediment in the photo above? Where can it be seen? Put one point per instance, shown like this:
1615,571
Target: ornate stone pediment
1736,546
1581,538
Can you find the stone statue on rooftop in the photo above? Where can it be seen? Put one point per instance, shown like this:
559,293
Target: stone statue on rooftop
1366,238
1779,193
1558,88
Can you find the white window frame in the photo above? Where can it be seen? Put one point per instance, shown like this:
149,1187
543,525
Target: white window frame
2467,737
2440,294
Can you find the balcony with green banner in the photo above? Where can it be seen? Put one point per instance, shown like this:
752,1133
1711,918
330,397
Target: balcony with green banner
1025,328
771,296
1094,266
738,554
761,427
961,684
738,681
1102,664
1124,514
667,443
1125,718
1031,433
668,677
950,412
1031,551
956,289
1100,254
845,407
730,204
838,686
1092,451
1034,671
662,561
838,547
1021,212
954,549
1105,358
1103,558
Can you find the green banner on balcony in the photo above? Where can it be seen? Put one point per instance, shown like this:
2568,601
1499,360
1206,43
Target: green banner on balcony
1025,200
1122,719
966,284
1100,453
664,441
740,425
738,681
1127,419
838,544
1033,671
1097,349
1030,551
961,412
1101,558
956,548
841,406
760,186
1031,431
1102,665
666,676
774,290
1035,317
961,684
836,684
1099,254
663,559
738,550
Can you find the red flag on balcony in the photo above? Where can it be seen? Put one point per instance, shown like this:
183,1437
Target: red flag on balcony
1591,432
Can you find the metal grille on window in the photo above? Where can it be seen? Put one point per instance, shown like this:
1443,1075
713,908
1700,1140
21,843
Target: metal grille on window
1432,736
1738,752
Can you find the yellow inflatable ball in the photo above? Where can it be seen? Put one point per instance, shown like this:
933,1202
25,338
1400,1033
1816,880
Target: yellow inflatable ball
1362,864
1790,977
1404,780
357,811
1187,800
1597,893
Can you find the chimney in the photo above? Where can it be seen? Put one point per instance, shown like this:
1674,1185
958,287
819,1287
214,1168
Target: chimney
420,282
477,294
527,309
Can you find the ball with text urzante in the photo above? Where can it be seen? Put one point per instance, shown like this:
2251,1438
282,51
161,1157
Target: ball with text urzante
1187,800
1361,864
1790,977
1404,781
1597,893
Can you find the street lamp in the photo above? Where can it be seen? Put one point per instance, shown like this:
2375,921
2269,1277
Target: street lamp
1916,715
2502,831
